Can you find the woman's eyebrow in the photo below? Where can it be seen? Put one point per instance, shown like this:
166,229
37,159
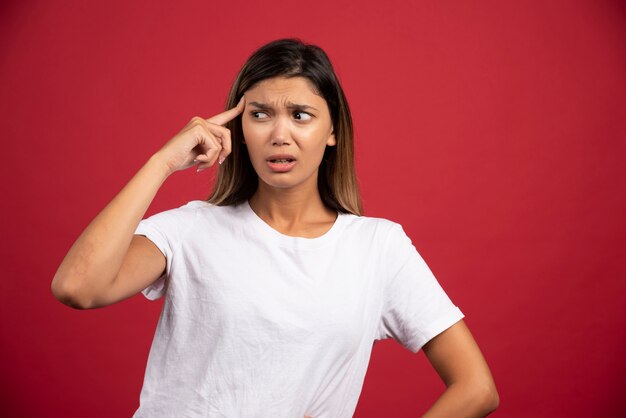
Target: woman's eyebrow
290,105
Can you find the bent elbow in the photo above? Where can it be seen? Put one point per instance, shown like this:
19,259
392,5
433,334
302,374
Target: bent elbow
68,293
490,398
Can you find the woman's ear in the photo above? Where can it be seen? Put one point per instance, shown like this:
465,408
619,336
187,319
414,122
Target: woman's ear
332,141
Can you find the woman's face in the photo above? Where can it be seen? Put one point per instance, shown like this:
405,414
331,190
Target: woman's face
286,127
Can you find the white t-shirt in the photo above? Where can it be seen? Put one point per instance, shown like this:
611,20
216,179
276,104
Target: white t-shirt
260,324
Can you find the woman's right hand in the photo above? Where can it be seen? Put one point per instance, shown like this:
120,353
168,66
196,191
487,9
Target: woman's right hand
201,141
108,263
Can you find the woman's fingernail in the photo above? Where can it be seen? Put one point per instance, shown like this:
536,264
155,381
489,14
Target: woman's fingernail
221,160
199,169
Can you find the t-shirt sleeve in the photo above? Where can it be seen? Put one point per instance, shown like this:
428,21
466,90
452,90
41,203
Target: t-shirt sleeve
164,230
415,307
152,232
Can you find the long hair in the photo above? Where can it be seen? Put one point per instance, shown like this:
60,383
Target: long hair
236,179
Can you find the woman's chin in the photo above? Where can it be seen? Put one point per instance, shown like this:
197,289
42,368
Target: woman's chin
286,181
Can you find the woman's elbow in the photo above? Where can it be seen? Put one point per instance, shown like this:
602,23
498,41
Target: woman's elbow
489,397
66,292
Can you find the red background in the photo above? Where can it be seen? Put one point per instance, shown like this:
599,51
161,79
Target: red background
493,131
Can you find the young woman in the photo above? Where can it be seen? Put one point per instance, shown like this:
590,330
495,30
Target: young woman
276,288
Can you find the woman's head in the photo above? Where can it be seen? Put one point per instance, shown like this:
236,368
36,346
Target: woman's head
290,62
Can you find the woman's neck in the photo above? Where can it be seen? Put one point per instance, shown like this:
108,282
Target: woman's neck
292,212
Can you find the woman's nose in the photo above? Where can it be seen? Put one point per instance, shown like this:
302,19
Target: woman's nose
280,133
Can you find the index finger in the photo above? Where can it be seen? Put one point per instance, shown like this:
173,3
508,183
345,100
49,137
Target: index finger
230,114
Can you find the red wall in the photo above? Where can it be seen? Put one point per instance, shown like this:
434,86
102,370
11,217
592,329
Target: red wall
493,131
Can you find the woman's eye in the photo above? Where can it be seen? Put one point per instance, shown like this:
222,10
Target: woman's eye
258,115
302,116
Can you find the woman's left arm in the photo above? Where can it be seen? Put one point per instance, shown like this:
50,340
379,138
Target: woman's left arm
471,391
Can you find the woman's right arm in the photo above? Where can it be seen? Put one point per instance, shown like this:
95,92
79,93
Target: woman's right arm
108,263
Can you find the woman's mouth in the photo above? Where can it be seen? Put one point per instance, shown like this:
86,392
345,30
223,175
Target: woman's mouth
281,163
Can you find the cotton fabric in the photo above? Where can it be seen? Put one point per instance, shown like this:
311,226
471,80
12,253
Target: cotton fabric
256,323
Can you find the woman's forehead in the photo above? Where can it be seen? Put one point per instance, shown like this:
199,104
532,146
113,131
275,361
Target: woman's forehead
279,90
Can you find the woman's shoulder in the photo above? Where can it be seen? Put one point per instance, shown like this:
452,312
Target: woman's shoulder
192,211
371,224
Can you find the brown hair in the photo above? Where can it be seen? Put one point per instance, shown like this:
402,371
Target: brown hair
237,181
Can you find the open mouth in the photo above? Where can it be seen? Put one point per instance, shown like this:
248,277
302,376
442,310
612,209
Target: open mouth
281,163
